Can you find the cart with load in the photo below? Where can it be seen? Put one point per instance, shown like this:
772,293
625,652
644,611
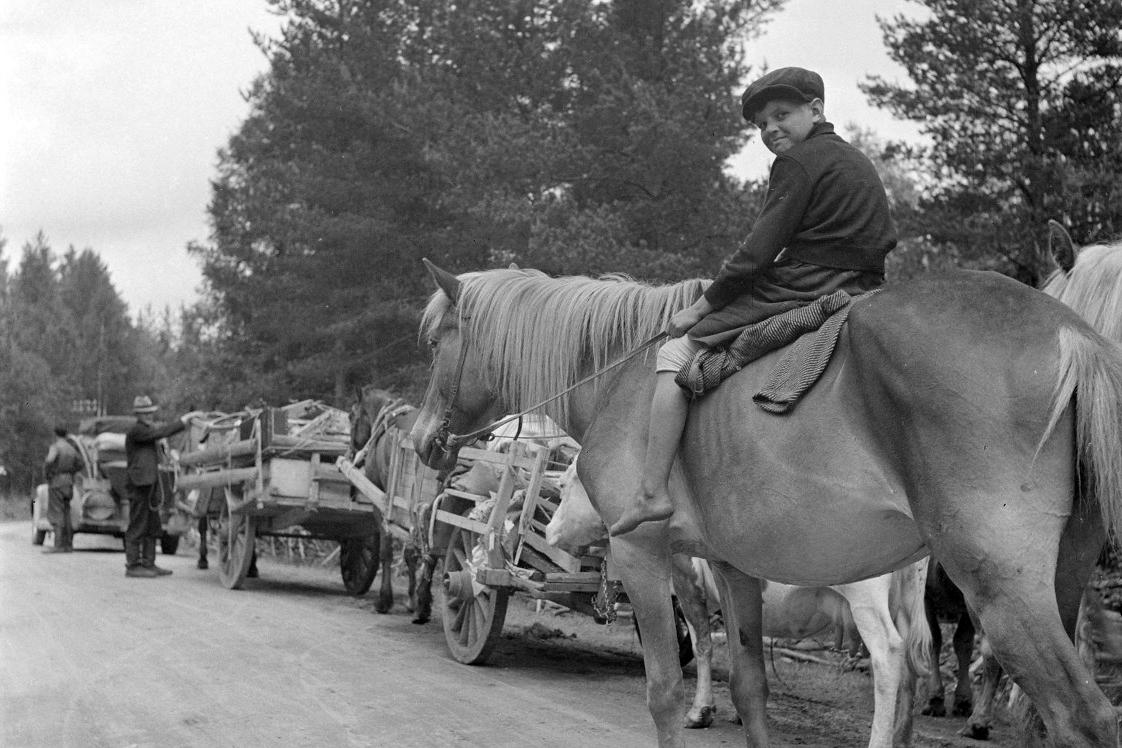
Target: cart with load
491,535
271,472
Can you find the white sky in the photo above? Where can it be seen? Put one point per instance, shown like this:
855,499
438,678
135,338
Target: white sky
112,112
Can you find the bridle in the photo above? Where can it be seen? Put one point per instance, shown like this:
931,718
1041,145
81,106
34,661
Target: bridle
448,442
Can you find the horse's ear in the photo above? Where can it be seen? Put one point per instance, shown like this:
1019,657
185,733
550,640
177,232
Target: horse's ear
1061,246
447,282
514,266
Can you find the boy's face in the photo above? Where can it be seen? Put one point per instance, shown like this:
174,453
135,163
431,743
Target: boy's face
786,123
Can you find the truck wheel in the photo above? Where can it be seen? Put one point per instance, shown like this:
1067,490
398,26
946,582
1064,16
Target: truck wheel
38,536
169,544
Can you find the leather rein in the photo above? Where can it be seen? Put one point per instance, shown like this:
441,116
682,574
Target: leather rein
449,442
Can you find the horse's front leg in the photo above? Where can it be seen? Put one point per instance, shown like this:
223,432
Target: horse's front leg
422,610
644,566
742,608
385,553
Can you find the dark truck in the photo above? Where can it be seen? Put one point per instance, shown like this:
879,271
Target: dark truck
100,504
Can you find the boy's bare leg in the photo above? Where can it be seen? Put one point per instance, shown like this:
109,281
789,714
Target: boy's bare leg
668,416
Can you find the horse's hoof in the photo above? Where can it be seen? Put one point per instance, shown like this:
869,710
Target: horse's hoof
420,620
934,708
977,732
383,606
963,707
700,719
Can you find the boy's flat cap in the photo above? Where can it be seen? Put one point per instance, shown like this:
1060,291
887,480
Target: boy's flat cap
796,84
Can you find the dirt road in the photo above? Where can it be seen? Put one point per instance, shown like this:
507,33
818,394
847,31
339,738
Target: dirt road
89,657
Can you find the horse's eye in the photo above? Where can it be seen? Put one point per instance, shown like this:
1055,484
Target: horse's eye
432,343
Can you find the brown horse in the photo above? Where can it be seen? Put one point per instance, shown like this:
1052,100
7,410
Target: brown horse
947,420
886,610
1090,282
378,420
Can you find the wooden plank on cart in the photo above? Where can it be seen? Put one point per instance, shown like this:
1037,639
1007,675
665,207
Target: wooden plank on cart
375,495
215,478
220,453
412,485
294,478
556,555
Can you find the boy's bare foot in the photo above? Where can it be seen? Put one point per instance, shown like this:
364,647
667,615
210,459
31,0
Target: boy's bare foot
648,508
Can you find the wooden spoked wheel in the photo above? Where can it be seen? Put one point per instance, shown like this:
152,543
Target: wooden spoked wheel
236,533
358,562
473,618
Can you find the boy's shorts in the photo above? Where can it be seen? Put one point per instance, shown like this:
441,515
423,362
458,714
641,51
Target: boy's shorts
676,353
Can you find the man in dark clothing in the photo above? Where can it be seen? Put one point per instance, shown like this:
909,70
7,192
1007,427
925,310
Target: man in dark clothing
143,488
62,464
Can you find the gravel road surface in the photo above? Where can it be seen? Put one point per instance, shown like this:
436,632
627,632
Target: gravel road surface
89,657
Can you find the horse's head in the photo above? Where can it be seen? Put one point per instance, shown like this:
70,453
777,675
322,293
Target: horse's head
459,398
361,423
1088,279
368,404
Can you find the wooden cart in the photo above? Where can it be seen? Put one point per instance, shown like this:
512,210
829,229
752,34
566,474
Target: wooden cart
492,546
271,477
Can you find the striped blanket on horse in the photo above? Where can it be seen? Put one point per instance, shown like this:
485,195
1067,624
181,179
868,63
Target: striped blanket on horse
811,332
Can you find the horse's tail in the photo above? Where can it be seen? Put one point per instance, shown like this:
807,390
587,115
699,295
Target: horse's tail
1090,374
907,592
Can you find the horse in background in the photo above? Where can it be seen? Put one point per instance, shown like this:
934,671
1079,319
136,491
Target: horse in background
887,610
379,419
1089,280
947,419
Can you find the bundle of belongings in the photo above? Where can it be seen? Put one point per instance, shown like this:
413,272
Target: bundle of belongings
812,333
101,441
219,441
480,478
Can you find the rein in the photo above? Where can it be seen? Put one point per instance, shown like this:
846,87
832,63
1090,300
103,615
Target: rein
450,441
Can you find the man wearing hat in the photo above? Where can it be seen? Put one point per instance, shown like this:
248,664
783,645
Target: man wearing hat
143,487
824,227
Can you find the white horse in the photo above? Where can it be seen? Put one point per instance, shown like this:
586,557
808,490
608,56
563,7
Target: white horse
887,611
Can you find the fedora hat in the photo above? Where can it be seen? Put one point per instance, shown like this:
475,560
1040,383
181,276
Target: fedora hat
143,404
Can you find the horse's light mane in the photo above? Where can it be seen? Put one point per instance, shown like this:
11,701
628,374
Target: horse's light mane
540,334
1093,288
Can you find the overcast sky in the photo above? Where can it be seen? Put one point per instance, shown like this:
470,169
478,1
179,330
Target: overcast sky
111,114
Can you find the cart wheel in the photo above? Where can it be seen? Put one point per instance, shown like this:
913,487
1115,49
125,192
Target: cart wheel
235,543
358,562
685,641
472,622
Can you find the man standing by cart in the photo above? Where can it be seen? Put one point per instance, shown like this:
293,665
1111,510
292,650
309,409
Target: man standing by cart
144,489
62,463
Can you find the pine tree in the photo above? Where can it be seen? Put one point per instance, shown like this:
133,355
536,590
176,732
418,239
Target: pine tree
570,135
1022,102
